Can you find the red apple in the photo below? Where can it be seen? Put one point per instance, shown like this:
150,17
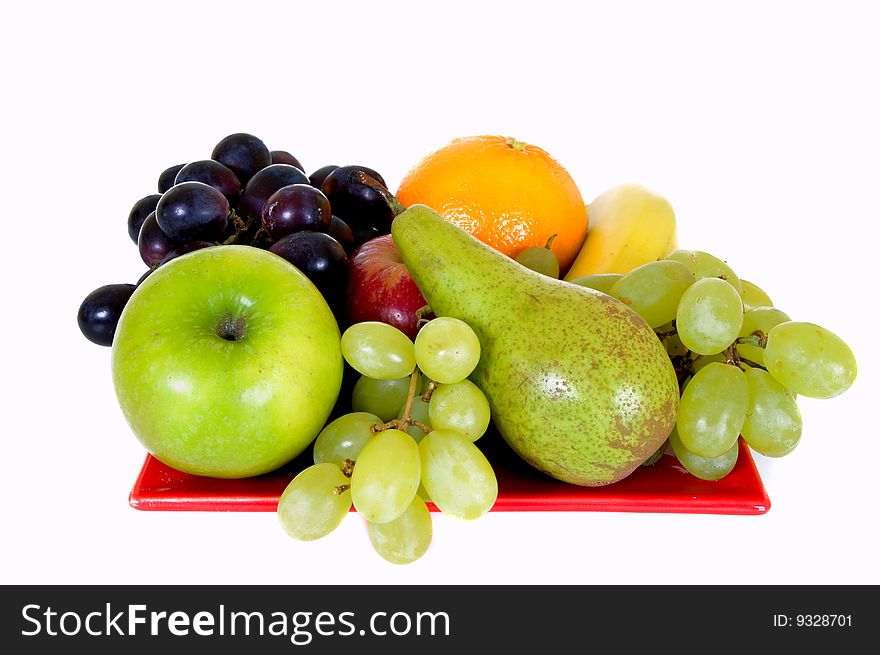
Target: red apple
380,287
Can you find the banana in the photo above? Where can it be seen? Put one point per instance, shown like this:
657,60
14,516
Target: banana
629,226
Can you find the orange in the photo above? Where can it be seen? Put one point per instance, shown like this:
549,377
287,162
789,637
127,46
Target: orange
508,194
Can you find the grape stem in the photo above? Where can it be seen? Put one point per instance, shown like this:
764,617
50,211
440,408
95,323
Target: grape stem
749,362
421,313
733,357
242,226
756,338
406,418
669,333
347,467
426,397
341,489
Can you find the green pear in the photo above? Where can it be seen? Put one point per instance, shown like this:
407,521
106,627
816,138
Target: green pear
578,384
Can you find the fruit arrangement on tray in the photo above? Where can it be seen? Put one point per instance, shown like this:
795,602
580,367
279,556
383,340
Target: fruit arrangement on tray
284,315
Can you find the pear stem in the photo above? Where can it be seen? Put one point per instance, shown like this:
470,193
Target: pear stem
367,180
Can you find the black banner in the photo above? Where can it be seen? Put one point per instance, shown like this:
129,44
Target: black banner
322,619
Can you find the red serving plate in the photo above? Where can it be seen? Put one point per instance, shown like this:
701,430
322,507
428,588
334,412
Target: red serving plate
663,487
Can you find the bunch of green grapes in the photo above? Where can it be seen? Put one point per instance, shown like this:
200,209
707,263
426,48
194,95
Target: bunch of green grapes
741,361
409,439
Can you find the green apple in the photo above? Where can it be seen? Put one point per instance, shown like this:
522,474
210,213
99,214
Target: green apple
226,362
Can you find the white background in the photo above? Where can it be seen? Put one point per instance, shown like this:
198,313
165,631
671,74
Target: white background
759,122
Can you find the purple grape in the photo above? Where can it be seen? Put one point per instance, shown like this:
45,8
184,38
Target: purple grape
320,257
186,248
244,153
153,243
264,184
365,233
356,200
166,179
293,208
339,230
316,179
138,214
192,210
284,157
99,313
214,174
144,276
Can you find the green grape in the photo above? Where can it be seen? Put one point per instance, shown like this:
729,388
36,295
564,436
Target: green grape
704,265
672,342
378,350
457,476
462,407
754,296
384,398
709,316
705,468
675,348
406,538
712,410
540,259
758,319
598,281
420,412
344,437
447,350
809,360
386,476
423,493
773,421
653,290
701,361
315,502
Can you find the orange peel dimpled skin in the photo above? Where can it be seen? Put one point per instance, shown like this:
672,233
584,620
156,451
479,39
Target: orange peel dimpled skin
508,194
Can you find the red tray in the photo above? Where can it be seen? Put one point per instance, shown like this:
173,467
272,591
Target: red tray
664,487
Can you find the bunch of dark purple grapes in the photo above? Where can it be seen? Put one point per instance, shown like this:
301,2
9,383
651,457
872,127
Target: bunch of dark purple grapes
247,194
